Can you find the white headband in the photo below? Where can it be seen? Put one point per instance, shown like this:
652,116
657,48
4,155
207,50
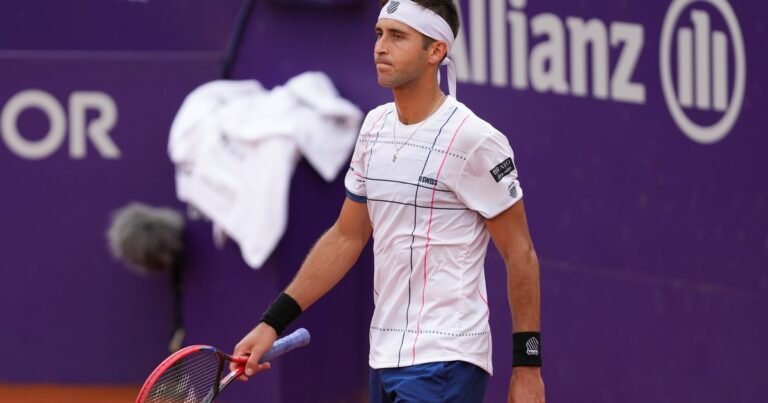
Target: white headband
429,24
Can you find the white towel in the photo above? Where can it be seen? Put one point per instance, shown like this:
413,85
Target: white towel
236,145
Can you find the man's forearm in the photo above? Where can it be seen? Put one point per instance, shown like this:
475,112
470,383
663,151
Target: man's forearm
326,264
523,290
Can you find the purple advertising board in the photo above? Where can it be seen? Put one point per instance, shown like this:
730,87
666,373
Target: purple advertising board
637,133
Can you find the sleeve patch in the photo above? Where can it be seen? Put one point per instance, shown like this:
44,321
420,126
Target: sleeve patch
505,168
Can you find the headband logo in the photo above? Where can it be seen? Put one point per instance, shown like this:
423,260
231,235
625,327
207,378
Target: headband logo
392,7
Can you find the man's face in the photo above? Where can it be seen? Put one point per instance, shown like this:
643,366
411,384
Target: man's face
399,53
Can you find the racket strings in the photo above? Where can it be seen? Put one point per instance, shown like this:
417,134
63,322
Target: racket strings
194,378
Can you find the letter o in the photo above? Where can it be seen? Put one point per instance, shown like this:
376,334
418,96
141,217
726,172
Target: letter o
56,117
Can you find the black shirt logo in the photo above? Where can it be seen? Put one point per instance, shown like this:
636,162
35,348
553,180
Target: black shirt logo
427,180
505,168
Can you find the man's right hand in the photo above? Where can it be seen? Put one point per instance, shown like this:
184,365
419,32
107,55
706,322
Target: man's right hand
253,346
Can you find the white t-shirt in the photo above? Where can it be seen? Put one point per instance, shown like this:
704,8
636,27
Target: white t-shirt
428,210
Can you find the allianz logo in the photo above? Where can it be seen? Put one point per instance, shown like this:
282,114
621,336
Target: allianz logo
572,56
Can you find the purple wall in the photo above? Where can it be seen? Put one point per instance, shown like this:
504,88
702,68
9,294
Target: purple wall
653,246
145,25
61,294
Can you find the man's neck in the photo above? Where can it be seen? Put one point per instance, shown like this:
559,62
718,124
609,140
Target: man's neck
417,101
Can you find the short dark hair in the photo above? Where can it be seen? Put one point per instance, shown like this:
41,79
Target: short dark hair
444,8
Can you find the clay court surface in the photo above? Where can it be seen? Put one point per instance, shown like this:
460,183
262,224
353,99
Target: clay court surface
68,394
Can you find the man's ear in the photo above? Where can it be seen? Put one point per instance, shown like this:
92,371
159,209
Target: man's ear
437,52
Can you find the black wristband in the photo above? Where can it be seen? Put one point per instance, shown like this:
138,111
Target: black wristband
283,310
526,349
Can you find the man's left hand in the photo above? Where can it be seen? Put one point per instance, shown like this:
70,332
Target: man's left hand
526,385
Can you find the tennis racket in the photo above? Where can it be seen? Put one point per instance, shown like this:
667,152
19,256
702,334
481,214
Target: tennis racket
195,374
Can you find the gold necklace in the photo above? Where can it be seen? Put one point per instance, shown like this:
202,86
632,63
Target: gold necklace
394,131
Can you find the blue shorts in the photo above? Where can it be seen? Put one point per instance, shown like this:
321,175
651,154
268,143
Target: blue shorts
438,382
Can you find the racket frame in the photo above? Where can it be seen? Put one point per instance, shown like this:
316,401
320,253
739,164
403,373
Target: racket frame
298,338
185,352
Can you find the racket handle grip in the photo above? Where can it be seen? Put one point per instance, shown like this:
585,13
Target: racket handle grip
298,338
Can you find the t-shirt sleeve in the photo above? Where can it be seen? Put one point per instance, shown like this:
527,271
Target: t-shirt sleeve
354,181
488,181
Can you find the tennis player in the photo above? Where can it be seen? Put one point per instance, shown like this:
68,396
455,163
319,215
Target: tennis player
432,183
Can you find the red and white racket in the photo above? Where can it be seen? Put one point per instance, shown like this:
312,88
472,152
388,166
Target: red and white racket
196,373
